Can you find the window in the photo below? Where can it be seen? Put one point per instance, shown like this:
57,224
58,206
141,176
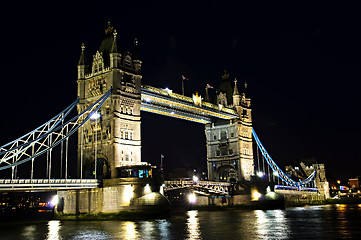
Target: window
230,151
232,134
218,153
215,137
223,135
126,135
224,151
244,113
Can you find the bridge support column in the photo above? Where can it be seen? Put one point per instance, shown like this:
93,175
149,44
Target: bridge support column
229,150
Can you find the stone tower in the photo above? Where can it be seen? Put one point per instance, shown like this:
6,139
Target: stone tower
229,143
112,137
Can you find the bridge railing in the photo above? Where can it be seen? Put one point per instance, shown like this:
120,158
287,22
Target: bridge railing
206,187
46,184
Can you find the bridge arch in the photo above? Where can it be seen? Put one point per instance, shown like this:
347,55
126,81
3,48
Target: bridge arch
103,168
227,173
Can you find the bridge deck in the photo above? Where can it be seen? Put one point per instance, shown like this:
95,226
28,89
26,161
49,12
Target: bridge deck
46,184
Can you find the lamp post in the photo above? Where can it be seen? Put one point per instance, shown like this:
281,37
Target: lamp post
95,116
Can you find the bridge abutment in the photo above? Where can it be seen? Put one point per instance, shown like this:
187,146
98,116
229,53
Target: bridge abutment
117,196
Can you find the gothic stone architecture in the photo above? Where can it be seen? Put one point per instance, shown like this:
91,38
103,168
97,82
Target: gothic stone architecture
114,133
229,143
112,138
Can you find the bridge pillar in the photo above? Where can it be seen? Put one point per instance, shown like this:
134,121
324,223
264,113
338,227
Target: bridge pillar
112,137
229,142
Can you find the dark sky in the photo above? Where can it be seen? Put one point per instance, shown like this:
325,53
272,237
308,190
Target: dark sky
301,62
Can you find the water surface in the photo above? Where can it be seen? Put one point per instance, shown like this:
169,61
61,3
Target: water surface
313,222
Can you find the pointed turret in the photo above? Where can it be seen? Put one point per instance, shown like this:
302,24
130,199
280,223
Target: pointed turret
82,63
81,73
82,60
114,55
225,91
135,52
236,96
114,45
137,63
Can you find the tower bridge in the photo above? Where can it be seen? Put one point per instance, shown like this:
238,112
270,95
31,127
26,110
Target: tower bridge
108,126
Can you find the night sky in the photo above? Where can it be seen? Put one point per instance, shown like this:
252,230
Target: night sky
301,62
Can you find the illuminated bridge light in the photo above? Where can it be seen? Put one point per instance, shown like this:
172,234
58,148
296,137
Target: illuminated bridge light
95,116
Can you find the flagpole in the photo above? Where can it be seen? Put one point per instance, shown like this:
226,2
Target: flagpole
161,165
182,85
207,97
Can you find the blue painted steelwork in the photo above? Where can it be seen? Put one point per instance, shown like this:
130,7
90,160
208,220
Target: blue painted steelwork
74,124
283,176
25,138
294,188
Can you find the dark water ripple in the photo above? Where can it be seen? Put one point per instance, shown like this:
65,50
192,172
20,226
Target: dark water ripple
313,222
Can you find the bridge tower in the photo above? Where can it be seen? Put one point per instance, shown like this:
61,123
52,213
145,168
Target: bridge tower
229,142
112,136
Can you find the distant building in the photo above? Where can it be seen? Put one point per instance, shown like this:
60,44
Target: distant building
304,171
354,182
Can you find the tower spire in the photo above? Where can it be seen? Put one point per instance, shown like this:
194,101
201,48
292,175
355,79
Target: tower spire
235,90
82,60
114,45
135,53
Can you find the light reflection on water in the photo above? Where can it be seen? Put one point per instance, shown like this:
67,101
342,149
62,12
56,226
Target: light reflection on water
54,227
272,224
313,222
193,230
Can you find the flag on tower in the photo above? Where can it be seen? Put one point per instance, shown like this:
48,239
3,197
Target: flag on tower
208,86
184,78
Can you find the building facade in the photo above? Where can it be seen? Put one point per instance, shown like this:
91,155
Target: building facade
229,143
112,138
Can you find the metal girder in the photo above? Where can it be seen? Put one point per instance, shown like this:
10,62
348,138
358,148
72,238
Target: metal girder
165,102
49,139
280,174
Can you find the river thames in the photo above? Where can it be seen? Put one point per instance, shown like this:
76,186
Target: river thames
310,222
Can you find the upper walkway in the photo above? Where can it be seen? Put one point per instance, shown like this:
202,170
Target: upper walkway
167,103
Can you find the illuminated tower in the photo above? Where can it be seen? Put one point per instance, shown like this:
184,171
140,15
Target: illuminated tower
111,138
229,142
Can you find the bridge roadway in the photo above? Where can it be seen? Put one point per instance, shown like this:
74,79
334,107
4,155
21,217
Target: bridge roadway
167,103
200,187
46,184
